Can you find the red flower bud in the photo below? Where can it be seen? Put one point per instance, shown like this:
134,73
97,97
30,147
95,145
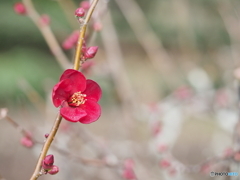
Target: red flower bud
46,135
85,5
129,174
165,163
48,162
27,142
19,8
54,170
70,41
90,52
80,12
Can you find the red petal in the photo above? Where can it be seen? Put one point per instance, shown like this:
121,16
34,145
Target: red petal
93,111
93,90
73,114
61,92
77,78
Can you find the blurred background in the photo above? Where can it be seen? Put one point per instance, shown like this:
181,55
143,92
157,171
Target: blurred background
169,75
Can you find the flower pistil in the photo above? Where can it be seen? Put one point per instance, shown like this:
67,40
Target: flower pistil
77,99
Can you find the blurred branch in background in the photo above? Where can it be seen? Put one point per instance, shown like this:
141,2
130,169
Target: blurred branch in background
116,64
48,35
232,24
149,41
32,95
68,7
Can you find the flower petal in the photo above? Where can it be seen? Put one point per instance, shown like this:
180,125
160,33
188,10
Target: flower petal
93,90
77,78
93,111
73,114
61,92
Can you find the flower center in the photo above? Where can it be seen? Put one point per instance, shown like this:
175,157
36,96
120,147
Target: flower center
77,99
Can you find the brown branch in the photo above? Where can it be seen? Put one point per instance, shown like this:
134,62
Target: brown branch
45,148
82,32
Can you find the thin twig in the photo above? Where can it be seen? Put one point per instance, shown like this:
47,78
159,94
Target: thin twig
17,126
47,34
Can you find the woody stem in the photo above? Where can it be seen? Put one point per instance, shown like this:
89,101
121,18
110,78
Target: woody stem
82,31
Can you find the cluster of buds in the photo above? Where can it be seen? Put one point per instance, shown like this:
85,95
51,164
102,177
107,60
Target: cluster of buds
87,52
47,165
27,140
128,172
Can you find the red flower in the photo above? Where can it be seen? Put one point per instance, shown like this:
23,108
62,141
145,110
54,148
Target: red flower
77,97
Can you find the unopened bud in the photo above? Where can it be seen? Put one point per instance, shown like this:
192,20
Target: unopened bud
27,142
54,170
48,162
46,135
19,8
129,174
71,40
80,12
90,52
165,163
85,5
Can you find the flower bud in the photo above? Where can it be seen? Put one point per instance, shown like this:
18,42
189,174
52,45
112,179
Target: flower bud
19,8
27,142
46,135
70,41
54,170
164,163
48,162
85,5
80,12
90,52
129,174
